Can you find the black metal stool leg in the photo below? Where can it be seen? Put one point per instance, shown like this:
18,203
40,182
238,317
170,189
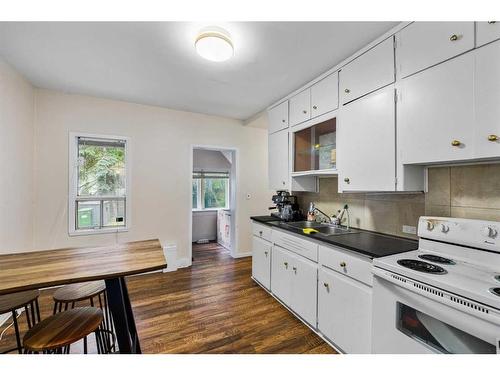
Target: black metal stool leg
18,336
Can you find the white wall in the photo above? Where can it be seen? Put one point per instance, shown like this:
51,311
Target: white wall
160,156
16,161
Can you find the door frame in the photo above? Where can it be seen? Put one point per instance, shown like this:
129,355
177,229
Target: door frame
233,190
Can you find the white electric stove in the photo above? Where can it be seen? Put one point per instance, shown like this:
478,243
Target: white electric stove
443,297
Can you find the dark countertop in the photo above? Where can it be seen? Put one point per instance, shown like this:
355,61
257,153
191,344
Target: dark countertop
371,244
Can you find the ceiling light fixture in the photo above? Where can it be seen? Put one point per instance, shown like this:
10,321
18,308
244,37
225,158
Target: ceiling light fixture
214,44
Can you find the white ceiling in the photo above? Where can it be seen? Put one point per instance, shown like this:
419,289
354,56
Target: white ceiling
155,62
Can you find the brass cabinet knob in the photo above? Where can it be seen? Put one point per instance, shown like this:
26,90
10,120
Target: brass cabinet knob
294,268
260,233
456,143
493,137
347,91
326,285
304,111
343,264
346,180
283,182
454,37
283,120
315,107
265,252
286,264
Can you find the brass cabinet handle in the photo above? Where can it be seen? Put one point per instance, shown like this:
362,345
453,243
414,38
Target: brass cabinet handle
492,137
456,143
346,180
454,37
343,264
315,107
347,91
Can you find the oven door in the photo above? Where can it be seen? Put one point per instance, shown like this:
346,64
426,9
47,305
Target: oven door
409,323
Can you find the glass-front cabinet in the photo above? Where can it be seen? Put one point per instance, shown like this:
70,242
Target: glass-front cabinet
315,148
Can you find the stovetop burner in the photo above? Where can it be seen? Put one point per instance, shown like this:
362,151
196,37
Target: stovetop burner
495,291
421,266
436,259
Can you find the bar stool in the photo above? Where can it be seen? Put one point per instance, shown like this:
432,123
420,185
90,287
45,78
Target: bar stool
57,332
27,300
93,293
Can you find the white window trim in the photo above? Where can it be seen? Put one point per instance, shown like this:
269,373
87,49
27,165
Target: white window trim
199,194
73,181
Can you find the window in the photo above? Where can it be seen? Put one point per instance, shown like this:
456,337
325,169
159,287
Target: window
210,190
98,184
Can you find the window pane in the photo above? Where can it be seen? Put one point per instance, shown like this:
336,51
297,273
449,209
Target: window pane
88,214
215,192
195,193
113,214
101,168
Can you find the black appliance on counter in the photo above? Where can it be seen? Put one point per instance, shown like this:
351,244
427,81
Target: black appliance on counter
287,206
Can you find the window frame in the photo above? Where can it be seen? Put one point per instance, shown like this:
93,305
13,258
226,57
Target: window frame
201,193
73,186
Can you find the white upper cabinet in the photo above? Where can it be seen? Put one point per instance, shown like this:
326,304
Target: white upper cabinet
300,107
278,117
366,143
487,101
487,32
370,71
278,160
325,95
423,44
436,114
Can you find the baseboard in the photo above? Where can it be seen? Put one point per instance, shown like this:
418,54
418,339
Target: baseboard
242,255
183,263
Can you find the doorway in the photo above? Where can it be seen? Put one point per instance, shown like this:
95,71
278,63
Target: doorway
213,198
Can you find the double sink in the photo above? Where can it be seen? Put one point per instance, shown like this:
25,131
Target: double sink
322,228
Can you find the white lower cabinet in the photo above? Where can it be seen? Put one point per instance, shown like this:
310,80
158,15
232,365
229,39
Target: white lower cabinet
294,280
344,311
261,261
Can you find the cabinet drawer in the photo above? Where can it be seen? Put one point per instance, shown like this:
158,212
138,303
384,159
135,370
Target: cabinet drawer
261,231
300,106
354,266
278,117
370,71
487,32
423,44
298,245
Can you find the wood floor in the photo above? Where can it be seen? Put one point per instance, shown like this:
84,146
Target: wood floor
211,307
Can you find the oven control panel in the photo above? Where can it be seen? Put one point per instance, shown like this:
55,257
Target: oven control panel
475,233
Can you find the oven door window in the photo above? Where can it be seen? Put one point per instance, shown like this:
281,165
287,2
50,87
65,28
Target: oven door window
439,335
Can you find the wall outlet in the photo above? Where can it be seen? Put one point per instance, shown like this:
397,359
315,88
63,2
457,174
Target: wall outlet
409,229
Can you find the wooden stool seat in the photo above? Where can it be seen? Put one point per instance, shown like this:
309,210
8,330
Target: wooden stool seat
9,302
79,292
63,329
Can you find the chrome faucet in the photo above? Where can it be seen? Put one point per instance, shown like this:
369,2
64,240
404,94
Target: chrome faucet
313,208
338,219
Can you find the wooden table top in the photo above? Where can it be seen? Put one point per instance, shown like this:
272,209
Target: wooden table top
39,269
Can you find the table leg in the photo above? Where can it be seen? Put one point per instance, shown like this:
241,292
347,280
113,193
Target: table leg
123,316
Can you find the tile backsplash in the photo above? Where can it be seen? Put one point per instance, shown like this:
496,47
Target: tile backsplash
471,191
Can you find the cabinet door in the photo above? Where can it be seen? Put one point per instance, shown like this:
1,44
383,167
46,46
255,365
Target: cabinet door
487,32
344,311
261,261
366,143
423,44
278,117
369,72
304,289
281,272
325,95
278,160
487,101
300,106
435,113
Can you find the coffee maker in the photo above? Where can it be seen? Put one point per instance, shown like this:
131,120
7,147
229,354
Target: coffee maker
287,206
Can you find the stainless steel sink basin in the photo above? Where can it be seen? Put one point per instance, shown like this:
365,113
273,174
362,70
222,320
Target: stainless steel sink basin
323,229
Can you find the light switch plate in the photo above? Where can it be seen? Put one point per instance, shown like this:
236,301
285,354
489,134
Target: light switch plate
409,229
